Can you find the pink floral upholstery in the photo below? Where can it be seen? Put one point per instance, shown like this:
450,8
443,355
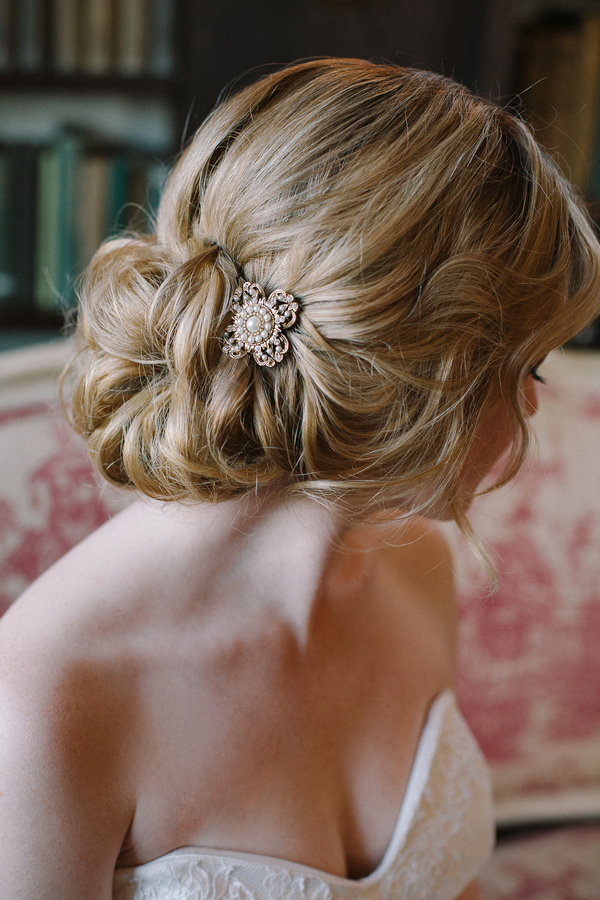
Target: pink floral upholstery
50,498
50,505
555,864
530,654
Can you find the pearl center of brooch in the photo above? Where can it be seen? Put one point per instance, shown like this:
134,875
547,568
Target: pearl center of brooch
253,324
258,322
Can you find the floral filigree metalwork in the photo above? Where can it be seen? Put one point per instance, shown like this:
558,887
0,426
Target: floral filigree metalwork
257,324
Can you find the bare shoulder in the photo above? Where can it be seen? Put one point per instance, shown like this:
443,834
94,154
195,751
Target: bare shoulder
61,703
65,801
417,550
424,543
420,553
414,563
60,647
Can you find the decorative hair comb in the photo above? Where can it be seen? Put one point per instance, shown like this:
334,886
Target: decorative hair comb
257,324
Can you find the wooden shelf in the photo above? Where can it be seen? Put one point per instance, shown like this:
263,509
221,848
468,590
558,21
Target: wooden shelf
17,319
53,82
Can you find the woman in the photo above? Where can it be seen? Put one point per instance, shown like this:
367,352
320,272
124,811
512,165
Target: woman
247,691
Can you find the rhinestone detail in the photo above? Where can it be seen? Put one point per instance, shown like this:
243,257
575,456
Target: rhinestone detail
257,324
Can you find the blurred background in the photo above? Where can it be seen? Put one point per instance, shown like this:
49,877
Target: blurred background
98,96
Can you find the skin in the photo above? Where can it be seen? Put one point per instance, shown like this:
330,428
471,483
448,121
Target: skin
493,438
252,676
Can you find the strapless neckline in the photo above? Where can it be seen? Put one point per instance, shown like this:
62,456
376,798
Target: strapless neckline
426,820
417,779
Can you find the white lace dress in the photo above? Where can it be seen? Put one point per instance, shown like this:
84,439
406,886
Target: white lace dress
442,838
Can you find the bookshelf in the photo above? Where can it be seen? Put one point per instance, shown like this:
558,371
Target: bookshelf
89,113
557,79
96,97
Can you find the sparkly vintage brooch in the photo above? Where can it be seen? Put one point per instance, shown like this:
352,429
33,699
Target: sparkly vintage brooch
257,324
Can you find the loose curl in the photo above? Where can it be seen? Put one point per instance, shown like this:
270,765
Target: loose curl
437,255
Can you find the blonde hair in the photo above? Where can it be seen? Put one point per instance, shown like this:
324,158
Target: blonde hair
435,250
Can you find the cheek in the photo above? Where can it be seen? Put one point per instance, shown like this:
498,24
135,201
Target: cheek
493,438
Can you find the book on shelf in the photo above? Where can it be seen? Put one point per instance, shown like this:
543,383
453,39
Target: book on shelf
58,203
131,31
130,38
65,35
55,256
5,34
156,175
116,207
18,191
559,81
29,34
97,23
593,187
117,194
161,37
91,205
47,253
107,199
7,279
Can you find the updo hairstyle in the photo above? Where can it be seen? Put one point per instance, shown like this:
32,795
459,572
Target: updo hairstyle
436,254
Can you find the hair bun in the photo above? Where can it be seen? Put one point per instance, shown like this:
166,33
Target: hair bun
438,254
